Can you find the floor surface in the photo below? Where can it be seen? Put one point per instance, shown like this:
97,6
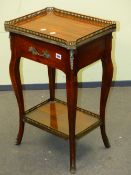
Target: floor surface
44,154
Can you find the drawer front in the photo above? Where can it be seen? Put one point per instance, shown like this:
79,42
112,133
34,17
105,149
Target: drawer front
45,53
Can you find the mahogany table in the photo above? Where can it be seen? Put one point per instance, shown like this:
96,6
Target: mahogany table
67,41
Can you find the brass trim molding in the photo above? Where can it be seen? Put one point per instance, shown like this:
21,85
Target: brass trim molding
56,132
108,26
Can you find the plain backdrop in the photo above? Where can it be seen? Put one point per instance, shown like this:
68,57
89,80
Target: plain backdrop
31,72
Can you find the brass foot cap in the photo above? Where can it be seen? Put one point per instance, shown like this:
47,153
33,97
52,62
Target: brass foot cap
73,170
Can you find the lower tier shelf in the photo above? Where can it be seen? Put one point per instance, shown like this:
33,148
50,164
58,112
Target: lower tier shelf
52,116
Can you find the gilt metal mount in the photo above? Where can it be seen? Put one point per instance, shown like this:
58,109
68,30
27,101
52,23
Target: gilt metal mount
71,58
44,54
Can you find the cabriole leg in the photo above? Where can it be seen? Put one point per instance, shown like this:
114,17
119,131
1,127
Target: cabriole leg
16,83
106,84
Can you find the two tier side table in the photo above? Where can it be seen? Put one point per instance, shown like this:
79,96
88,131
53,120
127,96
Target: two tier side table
66,41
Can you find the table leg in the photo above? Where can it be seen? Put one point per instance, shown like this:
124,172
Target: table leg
51,74
106,84
71,88
16,83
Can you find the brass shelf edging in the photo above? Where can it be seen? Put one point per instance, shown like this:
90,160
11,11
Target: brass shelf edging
45,128
56,132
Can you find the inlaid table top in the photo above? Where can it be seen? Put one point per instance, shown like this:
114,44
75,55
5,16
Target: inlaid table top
60,27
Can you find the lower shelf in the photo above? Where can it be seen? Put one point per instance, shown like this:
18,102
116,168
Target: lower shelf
52,116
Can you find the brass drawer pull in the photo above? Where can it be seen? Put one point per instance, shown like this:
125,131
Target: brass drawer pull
44,54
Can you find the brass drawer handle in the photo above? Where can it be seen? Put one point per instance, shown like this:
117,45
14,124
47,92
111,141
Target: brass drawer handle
44,54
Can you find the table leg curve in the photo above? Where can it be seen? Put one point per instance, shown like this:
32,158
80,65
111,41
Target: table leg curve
16,83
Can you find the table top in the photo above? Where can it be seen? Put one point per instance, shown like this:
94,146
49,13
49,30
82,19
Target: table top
60,27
